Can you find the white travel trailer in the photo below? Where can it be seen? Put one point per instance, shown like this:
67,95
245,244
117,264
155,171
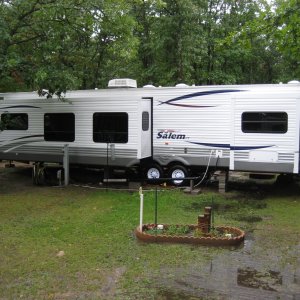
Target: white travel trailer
169,131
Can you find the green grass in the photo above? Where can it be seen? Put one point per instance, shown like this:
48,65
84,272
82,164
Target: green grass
102,258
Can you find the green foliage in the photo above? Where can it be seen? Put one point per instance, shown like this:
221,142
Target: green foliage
6,121
60,45
63,45
56,82
170,230
287,35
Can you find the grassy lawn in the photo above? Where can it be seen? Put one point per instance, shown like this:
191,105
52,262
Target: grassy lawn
78,243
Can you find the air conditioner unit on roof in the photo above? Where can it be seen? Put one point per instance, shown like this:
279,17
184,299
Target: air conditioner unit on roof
122,83
294,82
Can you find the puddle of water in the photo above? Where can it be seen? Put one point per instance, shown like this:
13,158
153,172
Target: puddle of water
251,278
234,275
165,294
255,269
248,243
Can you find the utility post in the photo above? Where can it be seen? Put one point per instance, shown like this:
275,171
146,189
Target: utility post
66,163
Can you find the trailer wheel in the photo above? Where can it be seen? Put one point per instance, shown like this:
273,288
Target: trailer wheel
178,171
154,171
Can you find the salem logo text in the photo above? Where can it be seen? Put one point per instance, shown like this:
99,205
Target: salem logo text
169,134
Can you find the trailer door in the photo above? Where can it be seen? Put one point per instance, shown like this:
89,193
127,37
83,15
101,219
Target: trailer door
145,128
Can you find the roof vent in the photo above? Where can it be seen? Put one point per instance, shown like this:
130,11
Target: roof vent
181,85
149,86
122,83
294,82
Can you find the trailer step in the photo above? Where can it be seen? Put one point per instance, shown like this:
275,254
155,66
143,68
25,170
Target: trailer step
193,191
115,180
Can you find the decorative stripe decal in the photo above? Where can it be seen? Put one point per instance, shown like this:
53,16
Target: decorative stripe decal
20,106
25,137
231,147
19,142
28,137
212,145
197,94
249,147
186,105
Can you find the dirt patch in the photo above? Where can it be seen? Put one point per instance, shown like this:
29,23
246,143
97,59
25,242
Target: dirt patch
109,289
269,281
168,294
248,218
15,178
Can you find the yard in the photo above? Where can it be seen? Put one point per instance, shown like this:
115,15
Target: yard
78,243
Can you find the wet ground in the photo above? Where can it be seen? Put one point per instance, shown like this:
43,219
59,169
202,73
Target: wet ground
240,274
263,267
256,270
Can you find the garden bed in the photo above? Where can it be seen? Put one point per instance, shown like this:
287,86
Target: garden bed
190,234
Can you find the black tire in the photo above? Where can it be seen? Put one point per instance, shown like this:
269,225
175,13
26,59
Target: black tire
285,180
153,171
178,171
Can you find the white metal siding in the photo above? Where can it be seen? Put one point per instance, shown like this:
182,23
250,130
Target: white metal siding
266,101
217,125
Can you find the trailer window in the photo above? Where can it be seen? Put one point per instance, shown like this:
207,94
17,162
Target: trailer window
59,127
264,122
145,121
14,121
110,127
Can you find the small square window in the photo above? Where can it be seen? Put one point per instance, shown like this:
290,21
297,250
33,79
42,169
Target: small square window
59,127
14,121
110,127
264,122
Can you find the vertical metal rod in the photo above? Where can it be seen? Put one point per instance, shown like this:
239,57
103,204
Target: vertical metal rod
141,208
106,172
155,217
192,185
66,163
212,213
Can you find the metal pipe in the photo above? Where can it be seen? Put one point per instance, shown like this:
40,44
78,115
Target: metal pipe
66,163
141,208
155,216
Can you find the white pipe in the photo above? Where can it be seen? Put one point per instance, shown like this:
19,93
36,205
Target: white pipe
66,163
141,208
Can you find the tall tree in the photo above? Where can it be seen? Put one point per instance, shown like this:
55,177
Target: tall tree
68,44
169,38
286,20
250,52
65,44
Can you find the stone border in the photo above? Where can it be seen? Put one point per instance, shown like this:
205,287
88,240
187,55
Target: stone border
203,240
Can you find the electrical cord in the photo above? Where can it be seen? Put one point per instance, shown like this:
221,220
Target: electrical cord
211,152
215,168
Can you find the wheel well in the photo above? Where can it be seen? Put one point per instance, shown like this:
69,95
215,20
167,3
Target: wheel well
177,163
148,161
